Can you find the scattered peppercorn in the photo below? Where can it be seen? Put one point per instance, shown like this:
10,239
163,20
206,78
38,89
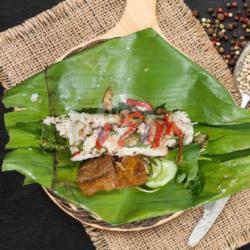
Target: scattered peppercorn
243,19
228,5
237,18
235,24
220,17
210,10
236,57
228,26
234,4
245,5
221,50
195,13
244,26
221,34
231,62
219,10
242,38
243,44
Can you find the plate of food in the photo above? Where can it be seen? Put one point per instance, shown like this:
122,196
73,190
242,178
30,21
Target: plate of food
126,132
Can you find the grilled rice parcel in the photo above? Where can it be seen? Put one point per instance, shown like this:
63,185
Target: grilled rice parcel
115,148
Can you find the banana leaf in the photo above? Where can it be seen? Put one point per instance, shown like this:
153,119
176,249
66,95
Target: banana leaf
225,139
141,66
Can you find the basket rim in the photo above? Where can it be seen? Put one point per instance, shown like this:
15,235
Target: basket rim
100,224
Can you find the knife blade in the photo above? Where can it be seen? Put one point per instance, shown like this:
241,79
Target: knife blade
211,210
210,214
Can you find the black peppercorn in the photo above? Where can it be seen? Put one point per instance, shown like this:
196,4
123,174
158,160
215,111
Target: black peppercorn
232,51
235,24
235,35
230,26
210,10
195,13
231,62
236,57
243,44
232,41
245,5
225,37
248,23
210,31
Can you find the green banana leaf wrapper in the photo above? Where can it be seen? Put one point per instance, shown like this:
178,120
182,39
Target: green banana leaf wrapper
144,66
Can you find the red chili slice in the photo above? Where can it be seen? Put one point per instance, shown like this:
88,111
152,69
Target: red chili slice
131,116
139,104
75,153
103,136
180,134
169,125
177,131
158,134
131,129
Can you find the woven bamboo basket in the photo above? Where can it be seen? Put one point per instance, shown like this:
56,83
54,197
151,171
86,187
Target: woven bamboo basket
86,218
129,23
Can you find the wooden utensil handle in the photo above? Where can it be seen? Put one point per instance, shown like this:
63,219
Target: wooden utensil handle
138,15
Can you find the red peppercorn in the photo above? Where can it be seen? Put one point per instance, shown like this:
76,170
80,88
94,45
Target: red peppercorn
226,14
236,18
214,42
234,4
219,10
237,43
243,20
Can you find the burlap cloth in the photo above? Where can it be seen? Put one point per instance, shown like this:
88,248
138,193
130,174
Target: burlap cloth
30,47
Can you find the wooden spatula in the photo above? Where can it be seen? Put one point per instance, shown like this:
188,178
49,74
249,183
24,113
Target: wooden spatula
138,15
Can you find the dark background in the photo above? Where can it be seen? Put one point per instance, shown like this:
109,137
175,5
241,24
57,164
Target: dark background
28,219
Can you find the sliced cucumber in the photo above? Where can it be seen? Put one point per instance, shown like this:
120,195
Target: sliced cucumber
166,173
155,168
147,190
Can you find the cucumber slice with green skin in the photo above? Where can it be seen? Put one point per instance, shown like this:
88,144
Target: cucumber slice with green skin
167,173
156,169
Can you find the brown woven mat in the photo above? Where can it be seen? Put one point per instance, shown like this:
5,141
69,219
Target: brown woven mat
28,49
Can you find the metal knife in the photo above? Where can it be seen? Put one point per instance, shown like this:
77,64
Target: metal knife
211,210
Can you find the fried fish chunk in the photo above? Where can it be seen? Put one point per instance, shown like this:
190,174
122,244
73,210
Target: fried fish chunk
106,173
